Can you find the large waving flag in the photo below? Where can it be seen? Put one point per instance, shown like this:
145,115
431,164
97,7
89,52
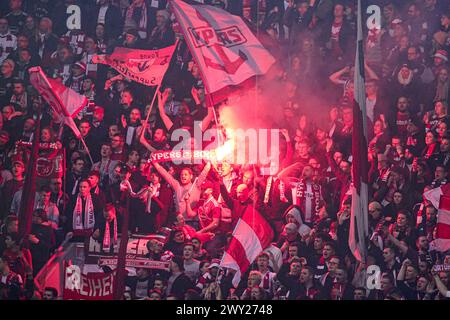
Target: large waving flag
223,46
65,102
360,194
251,236
440,198
147,67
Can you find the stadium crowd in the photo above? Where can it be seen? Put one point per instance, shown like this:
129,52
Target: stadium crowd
408,92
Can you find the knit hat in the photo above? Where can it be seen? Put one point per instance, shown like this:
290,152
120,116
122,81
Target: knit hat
441,54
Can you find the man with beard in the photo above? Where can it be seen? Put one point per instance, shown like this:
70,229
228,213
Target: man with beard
158,141
444,155
208,211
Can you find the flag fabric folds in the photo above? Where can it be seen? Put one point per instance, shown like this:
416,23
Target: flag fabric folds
359,189
440,198
65,102
225,49
251,236
147,67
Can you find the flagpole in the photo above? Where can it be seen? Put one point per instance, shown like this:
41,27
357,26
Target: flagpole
119,280
87,150
29,189
207,89
156,92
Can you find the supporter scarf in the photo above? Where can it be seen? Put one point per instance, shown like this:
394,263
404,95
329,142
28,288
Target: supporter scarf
89,219
403,81
266,284
267,193
104,168
20,100
138,13
146,193
153,191
430,151
299,198
107,236
281,187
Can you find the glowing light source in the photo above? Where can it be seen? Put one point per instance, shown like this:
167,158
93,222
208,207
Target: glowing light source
225,151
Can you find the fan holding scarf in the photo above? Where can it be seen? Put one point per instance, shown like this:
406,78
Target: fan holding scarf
85,213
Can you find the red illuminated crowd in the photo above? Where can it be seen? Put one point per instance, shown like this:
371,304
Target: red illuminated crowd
408,92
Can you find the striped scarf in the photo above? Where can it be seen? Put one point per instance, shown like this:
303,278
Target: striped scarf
107,236
89,219
137,12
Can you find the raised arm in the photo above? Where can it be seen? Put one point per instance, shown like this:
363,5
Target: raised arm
162,98
225,195
190,213
207,120
204,174
336,77
146,145
167,176
441,286
370,73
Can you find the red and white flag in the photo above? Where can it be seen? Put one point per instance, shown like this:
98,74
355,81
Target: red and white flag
147,67
360,167
223,46
251,236
65,102
440,198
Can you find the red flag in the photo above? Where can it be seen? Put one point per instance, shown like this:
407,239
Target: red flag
251,236
440,198
225,49
360,167
91,286
144,66
64,102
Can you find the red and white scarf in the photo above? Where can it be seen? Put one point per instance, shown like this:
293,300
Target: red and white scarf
310,205
107,236
281,188
130,16
89,219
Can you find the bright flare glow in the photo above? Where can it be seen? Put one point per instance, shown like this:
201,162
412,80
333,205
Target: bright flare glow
225,151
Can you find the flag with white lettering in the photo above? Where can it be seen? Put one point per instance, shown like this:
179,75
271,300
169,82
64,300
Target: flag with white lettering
147,67
91,286
65,102
360,167
251,236
225,49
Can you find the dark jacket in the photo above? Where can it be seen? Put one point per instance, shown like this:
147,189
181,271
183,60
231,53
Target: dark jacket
113,21
181,284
